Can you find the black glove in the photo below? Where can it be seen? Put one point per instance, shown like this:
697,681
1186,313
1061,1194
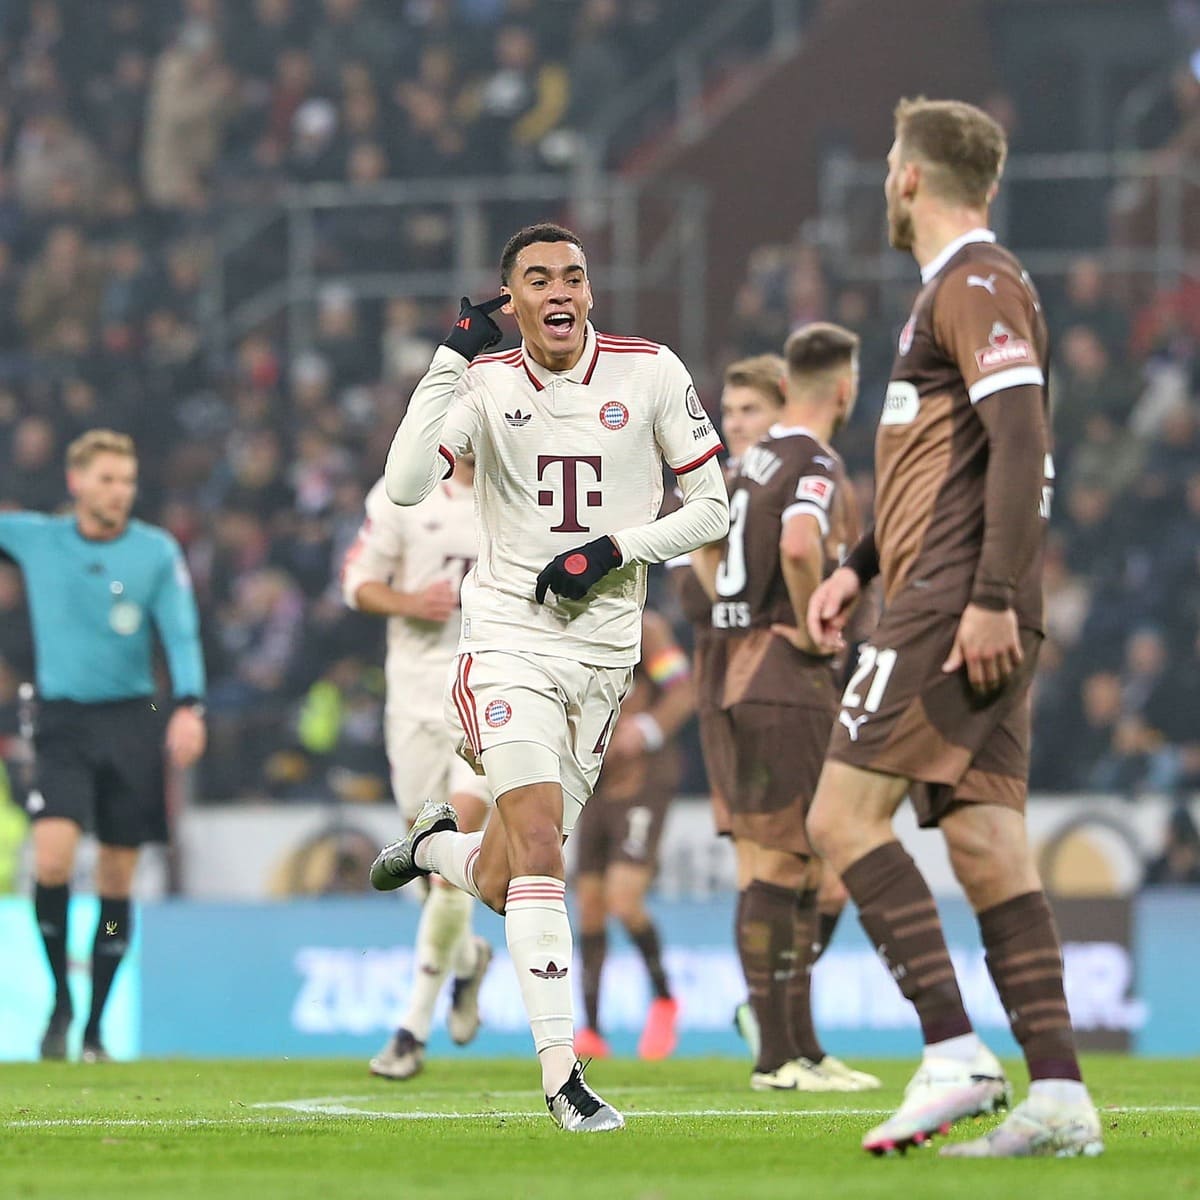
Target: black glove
475,331
574,573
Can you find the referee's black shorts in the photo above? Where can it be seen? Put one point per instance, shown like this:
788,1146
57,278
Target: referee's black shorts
101,766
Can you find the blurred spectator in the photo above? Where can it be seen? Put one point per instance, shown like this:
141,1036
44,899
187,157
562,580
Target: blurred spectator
1088,384
55,168
34,478
191,97
1179,862
63,284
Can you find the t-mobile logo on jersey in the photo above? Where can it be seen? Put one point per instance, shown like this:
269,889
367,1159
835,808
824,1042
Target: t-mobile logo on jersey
571,485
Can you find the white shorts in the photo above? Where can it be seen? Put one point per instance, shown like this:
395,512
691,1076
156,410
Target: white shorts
496,698
424,762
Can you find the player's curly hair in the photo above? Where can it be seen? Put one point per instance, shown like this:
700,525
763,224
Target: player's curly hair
965,147
544,231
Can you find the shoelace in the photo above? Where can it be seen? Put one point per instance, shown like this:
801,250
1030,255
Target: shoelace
578,1094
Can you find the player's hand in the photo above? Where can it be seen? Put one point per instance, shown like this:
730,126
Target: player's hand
434,603
186,737
800,639
988,643
475,331
829,609
574,573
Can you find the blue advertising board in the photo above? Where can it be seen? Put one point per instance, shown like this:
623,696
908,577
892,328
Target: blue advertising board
331,976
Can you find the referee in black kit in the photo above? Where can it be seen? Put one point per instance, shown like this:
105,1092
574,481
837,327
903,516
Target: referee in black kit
98,583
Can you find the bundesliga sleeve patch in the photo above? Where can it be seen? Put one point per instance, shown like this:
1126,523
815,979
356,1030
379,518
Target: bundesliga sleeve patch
816,489
1004,350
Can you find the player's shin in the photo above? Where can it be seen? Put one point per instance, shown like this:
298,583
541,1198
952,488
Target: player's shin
1025,961
452,856
898,913
799,993
765,946
539,943
445,917
113,933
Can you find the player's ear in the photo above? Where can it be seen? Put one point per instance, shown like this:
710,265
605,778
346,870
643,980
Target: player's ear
508,307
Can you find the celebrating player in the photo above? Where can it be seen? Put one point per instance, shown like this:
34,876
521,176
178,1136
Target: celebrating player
938,707
616,840
98,585
408,564
569,431
792,513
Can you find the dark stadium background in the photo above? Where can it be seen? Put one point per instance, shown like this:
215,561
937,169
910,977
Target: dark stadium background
236,230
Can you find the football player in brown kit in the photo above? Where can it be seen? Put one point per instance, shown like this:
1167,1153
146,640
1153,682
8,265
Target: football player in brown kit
616,840
938,707
792,513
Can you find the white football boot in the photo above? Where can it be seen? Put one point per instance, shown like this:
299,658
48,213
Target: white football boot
943,1091
402,1057
578,1109
1038,1126
857,1081
395,864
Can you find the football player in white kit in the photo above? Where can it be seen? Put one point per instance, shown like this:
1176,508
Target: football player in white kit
408,564
569,432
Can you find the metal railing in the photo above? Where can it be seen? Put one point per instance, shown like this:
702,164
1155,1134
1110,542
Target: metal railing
642,239
1152,196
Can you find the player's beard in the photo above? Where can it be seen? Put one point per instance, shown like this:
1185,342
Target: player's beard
900,228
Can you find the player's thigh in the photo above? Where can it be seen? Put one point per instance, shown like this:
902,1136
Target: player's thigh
778,753
131,805
851,812
591,839
902,715
55,841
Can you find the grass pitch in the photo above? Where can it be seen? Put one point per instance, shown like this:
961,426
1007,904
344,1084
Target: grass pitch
478,1129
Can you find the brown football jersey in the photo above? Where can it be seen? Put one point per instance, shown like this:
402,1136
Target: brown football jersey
789,473
975,330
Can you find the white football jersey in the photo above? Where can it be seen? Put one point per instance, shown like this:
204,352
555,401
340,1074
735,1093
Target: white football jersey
410,548
561,459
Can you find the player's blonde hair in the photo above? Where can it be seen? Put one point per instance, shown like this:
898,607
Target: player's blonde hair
963,147
762,372
98,441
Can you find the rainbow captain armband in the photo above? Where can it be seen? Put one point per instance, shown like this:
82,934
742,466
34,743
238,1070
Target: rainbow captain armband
668,667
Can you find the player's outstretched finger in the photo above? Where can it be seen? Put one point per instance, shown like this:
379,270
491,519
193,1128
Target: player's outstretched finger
489,306
543,582
955,659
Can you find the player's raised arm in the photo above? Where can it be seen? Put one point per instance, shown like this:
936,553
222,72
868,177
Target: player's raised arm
418,458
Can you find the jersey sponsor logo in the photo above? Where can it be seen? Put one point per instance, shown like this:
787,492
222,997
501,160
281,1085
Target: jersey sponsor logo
497,713
614,415
694,407
574,488
987,282
518,419
1003,350
815,488
904,345
702,431
901,405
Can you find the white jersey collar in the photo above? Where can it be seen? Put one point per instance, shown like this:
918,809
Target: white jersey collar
931,268
581,372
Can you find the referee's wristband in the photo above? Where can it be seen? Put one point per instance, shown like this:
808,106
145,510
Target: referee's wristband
651,731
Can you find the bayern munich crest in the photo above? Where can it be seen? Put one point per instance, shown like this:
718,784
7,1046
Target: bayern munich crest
614,415
906,336
497,713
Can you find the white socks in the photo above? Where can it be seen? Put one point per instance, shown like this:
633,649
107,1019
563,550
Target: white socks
539,944
1061,1091
445,924
452,856
963,1048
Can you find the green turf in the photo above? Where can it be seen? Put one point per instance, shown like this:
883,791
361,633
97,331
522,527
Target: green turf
184,1130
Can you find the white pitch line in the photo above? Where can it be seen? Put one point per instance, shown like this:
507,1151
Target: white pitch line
308,1111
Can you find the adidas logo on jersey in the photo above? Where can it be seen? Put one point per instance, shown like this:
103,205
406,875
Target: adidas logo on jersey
518,418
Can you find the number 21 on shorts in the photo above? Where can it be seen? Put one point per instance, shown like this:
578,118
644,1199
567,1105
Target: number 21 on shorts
870,659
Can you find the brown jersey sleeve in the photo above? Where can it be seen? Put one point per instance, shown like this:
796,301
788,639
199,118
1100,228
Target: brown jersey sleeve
989,323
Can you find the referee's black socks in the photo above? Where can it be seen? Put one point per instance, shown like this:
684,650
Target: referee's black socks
50,907
113,933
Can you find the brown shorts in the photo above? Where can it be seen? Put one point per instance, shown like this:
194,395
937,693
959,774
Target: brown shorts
765,760
622,826
901,715
707,717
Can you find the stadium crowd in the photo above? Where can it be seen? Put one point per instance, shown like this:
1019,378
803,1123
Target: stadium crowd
127,129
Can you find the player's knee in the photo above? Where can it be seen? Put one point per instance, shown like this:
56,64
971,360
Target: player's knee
52,871
628,908
823,827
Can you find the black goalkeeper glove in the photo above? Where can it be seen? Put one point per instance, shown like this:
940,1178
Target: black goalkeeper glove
475,331
574,573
